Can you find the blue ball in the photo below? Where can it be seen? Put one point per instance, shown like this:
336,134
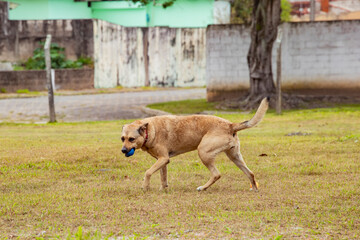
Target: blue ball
130,153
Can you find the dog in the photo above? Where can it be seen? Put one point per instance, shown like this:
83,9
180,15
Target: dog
167,136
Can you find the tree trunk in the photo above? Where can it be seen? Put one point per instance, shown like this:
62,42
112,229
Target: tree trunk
265,21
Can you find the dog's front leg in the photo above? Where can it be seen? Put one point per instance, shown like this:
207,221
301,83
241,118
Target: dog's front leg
163,175
160,163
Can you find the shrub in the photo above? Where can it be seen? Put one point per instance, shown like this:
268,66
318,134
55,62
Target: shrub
58,59
285,11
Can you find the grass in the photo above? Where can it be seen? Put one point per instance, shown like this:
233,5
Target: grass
70,181
185,106
27,92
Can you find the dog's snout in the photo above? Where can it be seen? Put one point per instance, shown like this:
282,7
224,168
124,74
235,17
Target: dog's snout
124,150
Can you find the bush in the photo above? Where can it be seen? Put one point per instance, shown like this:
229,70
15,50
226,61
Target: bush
58,59
285,11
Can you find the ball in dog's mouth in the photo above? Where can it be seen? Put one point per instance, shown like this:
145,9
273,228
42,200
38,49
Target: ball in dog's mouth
130,153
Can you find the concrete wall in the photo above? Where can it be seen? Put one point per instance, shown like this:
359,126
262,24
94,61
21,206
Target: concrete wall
317,58
158,56
226,69
35,80
18,39
322,56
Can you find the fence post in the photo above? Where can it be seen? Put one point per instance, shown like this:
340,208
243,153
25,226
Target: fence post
312,10
48,79
278,72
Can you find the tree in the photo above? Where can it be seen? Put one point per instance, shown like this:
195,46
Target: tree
265,21
242,9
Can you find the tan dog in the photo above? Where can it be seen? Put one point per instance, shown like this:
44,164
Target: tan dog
164,137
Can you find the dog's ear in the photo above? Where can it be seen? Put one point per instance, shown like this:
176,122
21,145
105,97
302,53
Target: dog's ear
143,128
124,126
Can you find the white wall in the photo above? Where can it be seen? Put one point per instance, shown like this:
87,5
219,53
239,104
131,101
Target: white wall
118,56
176,57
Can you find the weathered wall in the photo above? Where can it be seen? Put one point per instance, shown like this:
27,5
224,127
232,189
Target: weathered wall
226,67
158,56
35,80
317,58
322,55
18,39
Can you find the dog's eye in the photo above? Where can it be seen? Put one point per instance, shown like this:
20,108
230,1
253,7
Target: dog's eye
122,139
131,139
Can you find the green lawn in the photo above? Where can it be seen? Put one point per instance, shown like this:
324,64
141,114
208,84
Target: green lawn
71,181
186,106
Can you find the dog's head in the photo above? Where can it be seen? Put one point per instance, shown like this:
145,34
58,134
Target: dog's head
133,136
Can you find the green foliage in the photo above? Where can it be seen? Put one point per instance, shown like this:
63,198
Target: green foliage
144,2
37,61
85,61
18,67
168,3
2,90
58,59
243,10
164,4
285,11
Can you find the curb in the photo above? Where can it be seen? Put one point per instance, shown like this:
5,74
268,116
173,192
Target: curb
153,112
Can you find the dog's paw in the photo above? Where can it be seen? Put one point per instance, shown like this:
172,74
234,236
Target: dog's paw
163,189
255,189
145,188
201,188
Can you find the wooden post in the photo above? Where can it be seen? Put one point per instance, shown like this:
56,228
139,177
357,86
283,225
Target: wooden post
145,32
312,10
17,50
48,79
278,72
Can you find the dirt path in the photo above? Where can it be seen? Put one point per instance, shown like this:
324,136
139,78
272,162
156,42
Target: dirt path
91,107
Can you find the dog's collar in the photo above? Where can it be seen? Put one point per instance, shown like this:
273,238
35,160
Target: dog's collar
146,137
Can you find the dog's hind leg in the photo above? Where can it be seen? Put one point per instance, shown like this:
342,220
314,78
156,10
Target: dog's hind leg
236,157
208,148
215,174
163,175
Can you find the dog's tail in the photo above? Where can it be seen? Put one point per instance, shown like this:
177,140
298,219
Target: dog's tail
260,113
